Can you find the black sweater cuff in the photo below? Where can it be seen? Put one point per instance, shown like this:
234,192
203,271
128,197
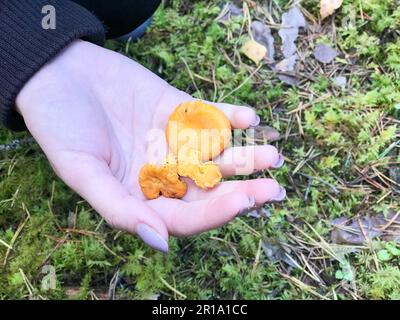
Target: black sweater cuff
25,46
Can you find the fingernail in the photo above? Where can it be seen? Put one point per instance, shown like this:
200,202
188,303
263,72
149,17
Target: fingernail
281,196
256,122
152,238
251,206
279,163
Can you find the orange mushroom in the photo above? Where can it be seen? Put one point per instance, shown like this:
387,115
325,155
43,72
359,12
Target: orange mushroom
196,132
205,175
161,180
199,126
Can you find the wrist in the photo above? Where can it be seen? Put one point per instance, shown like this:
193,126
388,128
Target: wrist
71,64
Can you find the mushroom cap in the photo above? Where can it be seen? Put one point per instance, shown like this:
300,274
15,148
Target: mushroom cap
200,126
161,180
205,175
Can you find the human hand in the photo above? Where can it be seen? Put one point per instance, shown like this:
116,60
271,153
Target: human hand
91,110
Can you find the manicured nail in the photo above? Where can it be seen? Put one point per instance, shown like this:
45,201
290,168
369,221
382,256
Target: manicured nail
251,206
279,163
281,196
152,238
256,122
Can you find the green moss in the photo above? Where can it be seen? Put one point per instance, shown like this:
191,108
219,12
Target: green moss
331,141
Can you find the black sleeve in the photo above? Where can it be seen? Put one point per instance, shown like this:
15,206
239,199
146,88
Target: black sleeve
25,46
120,16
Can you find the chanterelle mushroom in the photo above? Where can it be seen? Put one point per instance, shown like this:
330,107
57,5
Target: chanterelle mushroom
161,180
199,126
205,175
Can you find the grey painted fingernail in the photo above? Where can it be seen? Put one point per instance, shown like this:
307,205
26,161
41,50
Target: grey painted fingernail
279,163
251,207
151,237
281,196
256,122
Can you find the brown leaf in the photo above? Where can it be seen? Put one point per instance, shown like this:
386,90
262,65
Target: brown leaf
327,7
262,34
254,51
374,226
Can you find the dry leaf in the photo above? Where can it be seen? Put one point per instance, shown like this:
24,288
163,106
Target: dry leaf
254,51
328,7
324,53
292,20
374,226
277,251
230,10
264,134
340,81
287,64
262,34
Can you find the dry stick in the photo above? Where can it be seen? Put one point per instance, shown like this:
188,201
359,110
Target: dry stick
14,238
202,78
255,232
81,232
303,269
172,288
27,283
192,78
14,197
241,85
230,245
49,205
320,180
383,197
112,252
312,271
60,242
298,118
113,284
99,225
384,177
392,220
303,286
257,259
305,106
215,85
5,244
370,181
369,243
248,18
323,244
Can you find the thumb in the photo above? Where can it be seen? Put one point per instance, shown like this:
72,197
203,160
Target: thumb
92,179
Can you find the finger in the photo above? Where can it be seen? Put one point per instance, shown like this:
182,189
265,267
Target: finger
194,217
92,179
241,117
263,190
249,159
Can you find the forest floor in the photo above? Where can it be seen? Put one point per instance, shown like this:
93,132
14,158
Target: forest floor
337,235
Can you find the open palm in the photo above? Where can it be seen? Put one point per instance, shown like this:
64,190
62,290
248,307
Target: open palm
91,110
